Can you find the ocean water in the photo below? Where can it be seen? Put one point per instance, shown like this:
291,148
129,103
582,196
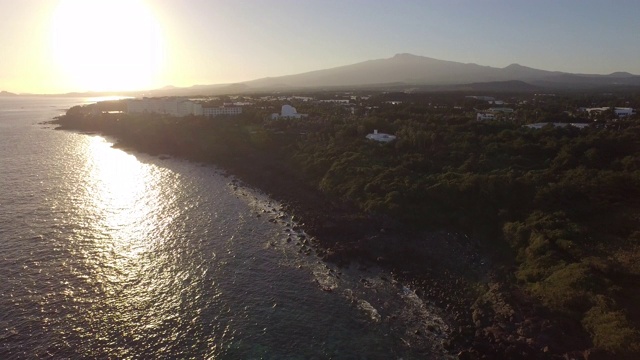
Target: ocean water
113,254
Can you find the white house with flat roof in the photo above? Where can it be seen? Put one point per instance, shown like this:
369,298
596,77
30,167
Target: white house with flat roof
624,112
288,112
381,137
620,111
485,115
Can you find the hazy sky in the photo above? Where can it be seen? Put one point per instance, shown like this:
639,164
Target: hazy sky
50,46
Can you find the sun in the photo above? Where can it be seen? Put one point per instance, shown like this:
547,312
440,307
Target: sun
107,45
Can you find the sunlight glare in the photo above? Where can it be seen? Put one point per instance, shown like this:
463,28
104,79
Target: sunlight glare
105,45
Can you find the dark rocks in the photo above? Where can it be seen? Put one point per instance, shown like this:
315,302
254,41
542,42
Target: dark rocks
448,344
468,354
598,354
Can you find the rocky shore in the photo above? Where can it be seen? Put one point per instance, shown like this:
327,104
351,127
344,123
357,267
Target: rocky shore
490,318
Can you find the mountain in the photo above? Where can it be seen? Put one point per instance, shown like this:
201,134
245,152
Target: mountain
404,72
414,70
403,68
498,86
6,93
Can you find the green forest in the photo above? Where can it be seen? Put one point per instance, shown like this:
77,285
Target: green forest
558,206
564,202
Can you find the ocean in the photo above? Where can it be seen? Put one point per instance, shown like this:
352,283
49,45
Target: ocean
113,254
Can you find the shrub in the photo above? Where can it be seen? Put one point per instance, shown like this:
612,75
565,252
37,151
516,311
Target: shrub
610,329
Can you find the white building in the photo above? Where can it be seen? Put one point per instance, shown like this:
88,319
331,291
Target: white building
288,112
221,110
481,116
624,112
620,111
482,98
504,110
381,137
177,107
303,98
336,101
541,125
187,107
165,106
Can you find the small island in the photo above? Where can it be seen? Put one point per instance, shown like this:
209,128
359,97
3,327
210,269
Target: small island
527,236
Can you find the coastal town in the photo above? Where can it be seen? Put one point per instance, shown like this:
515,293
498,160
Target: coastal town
528,110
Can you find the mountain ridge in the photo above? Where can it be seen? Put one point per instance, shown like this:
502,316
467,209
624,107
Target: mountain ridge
411,71
420,70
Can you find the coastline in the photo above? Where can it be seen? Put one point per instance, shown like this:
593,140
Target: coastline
488,317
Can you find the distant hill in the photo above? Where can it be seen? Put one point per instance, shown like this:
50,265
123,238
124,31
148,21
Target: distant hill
408,72
415,70
402,68
6,93
499,86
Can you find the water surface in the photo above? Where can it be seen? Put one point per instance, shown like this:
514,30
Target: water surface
105,253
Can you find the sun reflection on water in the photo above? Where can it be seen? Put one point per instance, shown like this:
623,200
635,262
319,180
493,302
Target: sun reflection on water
122,197
128,209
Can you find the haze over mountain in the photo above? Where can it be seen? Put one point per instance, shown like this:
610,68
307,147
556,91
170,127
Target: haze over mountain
412,71
419,70
407,70
402,68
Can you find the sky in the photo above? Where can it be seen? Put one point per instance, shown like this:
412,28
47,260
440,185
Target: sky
59,46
